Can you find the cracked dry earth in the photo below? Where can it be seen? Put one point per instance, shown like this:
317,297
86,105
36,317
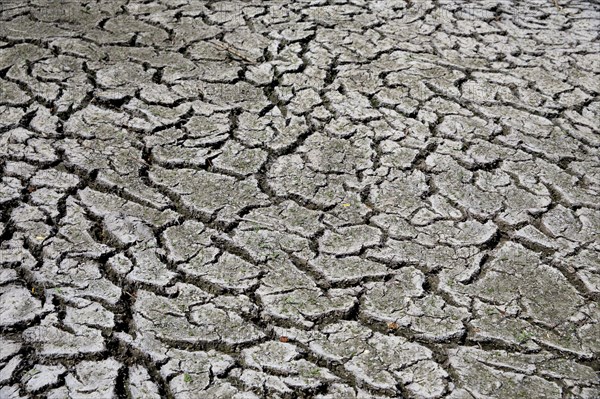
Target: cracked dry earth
325,199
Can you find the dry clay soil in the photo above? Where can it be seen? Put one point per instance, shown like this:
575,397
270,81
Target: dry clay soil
332,199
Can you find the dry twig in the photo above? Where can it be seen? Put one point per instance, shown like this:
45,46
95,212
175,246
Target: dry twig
557,5
231,51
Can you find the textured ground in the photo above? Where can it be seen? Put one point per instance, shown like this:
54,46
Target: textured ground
286,199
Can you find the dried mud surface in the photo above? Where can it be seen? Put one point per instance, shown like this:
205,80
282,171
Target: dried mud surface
299,199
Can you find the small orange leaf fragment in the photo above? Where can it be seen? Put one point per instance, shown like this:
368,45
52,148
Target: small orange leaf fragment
393,326
283,338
